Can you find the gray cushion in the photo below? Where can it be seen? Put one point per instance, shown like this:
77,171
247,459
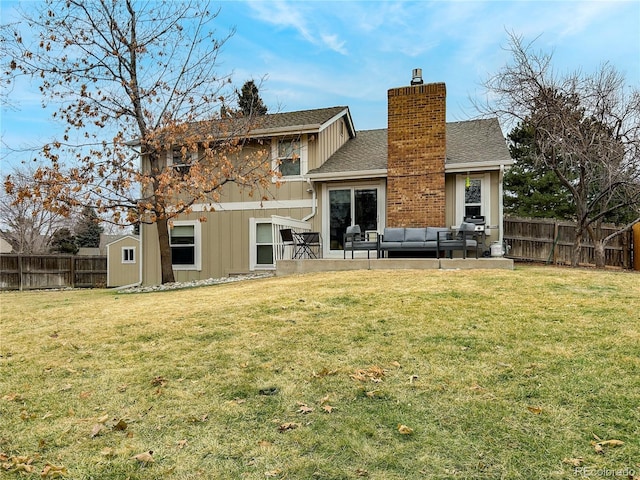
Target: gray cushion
467,227
393,234
410,245
414,234
352,229
386,245
432,233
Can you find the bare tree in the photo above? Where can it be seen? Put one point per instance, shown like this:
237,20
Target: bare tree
26,225
586,130
137,88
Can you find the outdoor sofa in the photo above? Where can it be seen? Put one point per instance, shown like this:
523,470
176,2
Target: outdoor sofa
428,239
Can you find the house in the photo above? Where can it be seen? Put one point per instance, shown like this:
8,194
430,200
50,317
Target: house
420,171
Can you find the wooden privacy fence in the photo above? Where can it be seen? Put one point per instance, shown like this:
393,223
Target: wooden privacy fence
28,272
551,241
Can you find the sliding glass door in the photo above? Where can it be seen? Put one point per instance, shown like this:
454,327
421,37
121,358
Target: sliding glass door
351,206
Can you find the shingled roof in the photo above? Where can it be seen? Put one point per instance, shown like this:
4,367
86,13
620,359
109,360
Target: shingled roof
469,143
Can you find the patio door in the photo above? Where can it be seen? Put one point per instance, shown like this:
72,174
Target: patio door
351,206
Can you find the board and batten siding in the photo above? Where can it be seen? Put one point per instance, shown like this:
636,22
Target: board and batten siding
224,243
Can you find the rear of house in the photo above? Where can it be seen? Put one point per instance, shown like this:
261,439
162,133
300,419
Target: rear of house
420,171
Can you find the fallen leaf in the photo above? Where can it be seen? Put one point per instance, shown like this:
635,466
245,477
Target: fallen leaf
103,418
53,471
396,364
575,462
327,408
12,397
159,381
85,395
304,409
108,452
324,400
535,410
598,448
144,457
264,444
361,472
97,428
325,372
120,425
611,443
273,473
288,426
404,430
182,444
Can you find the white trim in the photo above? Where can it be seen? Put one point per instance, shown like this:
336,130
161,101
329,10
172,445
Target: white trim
253,252
333,119
254,205
122,255
379,185
304,159
197,232
475,166
485,199
358,175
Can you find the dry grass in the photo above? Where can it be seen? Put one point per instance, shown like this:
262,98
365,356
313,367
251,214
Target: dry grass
496,375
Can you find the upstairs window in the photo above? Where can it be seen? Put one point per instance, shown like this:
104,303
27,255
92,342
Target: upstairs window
180,160
289,157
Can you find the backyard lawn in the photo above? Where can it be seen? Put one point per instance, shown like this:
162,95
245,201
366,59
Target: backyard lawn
525,374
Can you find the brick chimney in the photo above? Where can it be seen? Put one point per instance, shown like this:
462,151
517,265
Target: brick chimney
416,154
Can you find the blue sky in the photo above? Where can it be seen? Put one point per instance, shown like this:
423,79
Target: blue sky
313,54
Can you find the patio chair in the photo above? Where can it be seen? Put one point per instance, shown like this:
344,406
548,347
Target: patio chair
288,240
465,239
354,240
307,244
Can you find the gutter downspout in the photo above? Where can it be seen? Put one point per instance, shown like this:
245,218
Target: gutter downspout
501,205
314,202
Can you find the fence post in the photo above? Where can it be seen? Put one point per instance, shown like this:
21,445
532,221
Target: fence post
20,273
72,261
636,246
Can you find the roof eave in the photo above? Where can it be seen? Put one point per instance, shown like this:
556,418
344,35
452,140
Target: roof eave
477,166
357,175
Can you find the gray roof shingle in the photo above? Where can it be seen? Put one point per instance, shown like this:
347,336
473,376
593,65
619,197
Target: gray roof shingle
472,141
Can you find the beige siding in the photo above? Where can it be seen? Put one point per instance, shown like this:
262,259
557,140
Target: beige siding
120,273
329,141
224,244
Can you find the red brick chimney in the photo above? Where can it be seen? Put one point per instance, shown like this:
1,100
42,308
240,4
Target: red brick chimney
416,154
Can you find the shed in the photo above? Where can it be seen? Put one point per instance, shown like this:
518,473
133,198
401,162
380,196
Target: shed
123,261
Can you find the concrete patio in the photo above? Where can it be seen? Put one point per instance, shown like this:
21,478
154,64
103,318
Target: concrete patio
289,267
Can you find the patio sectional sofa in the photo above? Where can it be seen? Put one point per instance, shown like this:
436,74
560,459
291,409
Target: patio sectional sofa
428,239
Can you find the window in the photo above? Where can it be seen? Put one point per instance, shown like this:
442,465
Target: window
184,239
128,255
181,161
289,157
474,199
261,244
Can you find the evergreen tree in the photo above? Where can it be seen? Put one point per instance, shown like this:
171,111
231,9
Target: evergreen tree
532,189
88,229
249,100
63,241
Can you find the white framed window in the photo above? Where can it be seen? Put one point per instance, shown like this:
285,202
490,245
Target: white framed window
181,160
289,157
473,196
186,245
128,254
261,244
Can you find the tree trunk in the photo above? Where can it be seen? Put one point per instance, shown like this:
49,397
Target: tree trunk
598,253
165,251
577,249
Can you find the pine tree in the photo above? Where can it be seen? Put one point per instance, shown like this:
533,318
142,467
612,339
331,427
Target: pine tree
249,100
63,241
531,189
88,229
